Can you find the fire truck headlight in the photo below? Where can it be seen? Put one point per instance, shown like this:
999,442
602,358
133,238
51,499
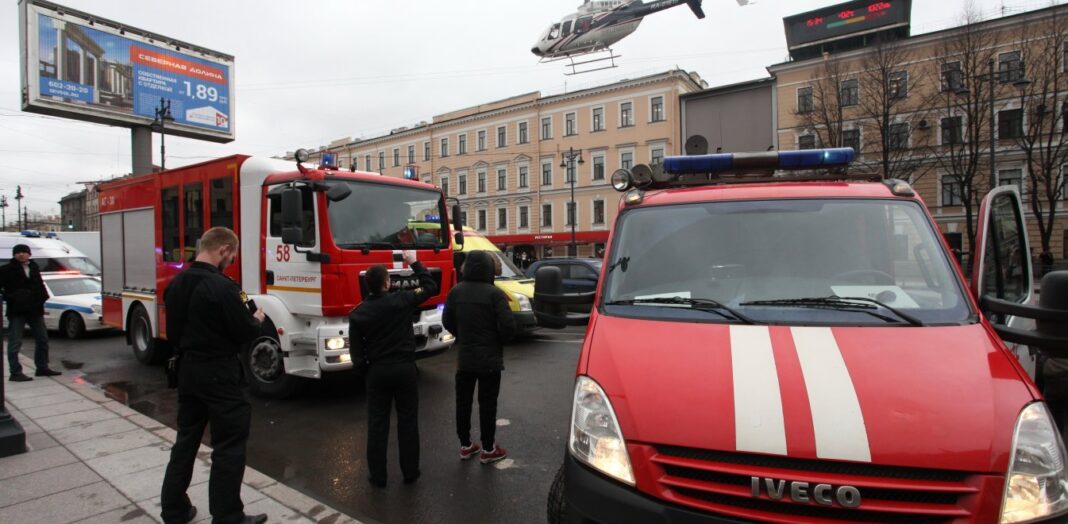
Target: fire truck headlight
336,343
595,435
523,301
1036,486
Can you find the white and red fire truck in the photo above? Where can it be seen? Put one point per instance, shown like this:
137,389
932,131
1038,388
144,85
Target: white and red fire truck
307,238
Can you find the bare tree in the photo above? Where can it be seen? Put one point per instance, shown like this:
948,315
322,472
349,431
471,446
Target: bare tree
820,110
1044,146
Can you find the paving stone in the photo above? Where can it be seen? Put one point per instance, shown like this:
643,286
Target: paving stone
74,419
92,393
198,495
40,397
92,430
16,465
146,422
69,506
126,515
130,461
40,440
46,482
295,499
257,480
121,409
116,443
62,408
167,434
145,485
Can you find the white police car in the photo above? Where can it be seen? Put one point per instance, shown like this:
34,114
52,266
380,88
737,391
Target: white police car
74,306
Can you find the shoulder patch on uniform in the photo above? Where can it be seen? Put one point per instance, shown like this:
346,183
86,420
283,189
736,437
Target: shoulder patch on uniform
418,290
244,297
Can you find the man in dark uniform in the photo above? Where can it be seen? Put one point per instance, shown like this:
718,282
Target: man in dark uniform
210,325
382,339
25,294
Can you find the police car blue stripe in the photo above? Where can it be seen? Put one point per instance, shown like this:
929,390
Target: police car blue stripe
80,309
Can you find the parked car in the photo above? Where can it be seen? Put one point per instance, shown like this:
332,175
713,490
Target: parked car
75,304
580,274
50,253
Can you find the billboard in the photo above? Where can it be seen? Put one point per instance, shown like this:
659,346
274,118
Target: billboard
80,66
846,19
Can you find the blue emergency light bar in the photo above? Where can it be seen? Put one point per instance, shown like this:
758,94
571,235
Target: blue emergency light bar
780,160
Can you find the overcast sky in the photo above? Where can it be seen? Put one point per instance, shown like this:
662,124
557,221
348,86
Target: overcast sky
308,72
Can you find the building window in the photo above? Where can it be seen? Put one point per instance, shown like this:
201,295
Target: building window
547,128
463,218
502,218
462,145
445,186
381,160
1010,67
444,148
851,138
426,151
482,140
656,156
502,179
952,191
899,85
1064,239
899,136
411,154
804,100
572,208
1010,124
524,217
806,142
172,251
481,182
523,136
569,125
952,77
850,92
598,168
502,136
481,219
367,162
1011,177
598,119
952,130
523,175
626,160
396,156
626,114
546,215
598,211
194,217
656,111
547,173
463,184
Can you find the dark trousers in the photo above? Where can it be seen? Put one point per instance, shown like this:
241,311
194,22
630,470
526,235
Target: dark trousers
15,328
489,386
209,391
386,384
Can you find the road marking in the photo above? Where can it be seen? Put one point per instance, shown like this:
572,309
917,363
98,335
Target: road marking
504,422
505,464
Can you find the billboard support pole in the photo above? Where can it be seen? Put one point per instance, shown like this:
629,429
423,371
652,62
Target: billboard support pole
141,149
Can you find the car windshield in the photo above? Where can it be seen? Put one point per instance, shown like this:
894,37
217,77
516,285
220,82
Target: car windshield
882,253
508,269
382,216
73,286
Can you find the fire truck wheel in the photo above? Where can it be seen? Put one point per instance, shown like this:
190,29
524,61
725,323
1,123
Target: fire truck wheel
71,325
146,348
557,503
266,372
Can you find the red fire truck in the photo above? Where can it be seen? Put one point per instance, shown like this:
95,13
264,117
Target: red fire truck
307,238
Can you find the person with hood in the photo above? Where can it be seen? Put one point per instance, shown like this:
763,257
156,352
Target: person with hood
25,296
477,314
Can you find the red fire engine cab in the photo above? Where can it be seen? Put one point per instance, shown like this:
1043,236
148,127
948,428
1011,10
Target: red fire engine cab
803,347
307,238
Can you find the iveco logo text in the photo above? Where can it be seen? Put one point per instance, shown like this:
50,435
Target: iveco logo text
824,494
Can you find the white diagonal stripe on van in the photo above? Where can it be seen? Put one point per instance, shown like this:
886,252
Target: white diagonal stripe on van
758,419
837,420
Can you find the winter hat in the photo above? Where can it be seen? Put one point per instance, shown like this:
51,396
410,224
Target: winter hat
20,248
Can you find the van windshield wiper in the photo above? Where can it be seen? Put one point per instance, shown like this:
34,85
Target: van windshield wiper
701,304
862,304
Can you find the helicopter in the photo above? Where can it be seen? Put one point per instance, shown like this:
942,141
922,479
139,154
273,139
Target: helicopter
595,27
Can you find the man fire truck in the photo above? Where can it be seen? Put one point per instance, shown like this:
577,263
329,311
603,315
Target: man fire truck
307,238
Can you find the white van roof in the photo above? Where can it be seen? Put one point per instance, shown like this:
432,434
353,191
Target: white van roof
41,246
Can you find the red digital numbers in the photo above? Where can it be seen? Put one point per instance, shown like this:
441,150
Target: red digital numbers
847,14
879,6
813,22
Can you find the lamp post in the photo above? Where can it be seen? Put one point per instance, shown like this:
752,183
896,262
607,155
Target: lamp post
568,163
163,114
3,212
991,80
18,199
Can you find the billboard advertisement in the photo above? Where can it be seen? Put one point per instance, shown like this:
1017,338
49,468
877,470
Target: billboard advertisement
846,19
80,66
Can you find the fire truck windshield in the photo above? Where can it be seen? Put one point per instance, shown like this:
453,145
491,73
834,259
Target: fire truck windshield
378,216
779,262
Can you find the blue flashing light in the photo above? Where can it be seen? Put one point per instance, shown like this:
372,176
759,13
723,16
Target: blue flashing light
812,158
698,163
804,159
329,159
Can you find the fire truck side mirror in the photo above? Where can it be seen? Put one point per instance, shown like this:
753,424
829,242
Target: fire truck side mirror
551,303
338,192
458,225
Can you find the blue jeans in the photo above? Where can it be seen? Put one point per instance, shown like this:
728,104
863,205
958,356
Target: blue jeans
15,326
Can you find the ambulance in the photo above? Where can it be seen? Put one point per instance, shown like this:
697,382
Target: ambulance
776,340
308,236
516,286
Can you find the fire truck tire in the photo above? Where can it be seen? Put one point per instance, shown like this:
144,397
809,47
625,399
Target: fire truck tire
557,504
265,370
145,347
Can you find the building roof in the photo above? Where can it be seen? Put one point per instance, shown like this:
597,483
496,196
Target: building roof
731,88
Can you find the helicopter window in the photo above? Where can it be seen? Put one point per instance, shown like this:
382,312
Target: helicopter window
554,32
583,24
567,28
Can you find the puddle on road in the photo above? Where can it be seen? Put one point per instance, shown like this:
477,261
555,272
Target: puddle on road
139,398
70,364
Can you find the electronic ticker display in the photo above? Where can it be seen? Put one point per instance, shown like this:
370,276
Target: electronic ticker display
844,20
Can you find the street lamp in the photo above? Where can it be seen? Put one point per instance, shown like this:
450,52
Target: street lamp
163,114
568,163
964,91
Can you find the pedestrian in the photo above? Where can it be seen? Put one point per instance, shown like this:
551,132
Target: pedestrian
25,296
477,314
382,342
209,324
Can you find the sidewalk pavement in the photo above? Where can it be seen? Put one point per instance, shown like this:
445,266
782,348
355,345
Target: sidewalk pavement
93,460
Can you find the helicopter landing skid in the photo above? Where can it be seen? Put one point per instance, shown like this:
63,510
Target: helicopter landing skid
592,61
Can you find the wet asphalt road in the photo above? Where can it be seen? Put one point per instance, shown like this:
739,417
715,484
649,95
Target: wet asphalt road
315,443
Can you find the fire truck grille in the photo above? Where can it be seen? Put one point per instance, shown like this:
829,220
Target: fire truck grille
723,482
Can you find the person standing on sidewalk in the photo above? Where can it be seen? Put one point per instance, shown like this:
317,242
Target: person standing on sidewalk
209,324
477,314
382,341
25,295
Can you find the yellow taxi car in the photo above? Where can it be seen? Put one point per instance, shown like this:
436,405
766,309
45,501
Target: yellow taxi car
516,286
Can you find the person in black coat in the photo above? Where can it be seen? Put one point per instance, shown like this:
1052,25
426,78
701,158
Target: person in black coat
24,297
382,342
477,314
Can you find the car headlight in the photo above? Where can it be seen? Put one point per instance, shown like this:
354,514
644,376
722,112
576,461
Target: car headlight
524,302
595,435
1037,484
336,343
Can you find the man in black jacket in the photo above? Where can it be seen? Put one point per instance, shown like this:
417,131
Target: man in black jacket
24,296
209,323
477,313
382,341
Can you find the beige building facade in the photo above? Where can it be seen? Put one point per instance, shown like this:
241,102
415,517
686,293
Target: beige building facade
509,163
932,94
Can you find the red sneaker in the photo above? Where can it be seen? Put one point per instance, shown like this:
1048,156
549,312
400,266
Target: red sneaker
469,451
489,457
